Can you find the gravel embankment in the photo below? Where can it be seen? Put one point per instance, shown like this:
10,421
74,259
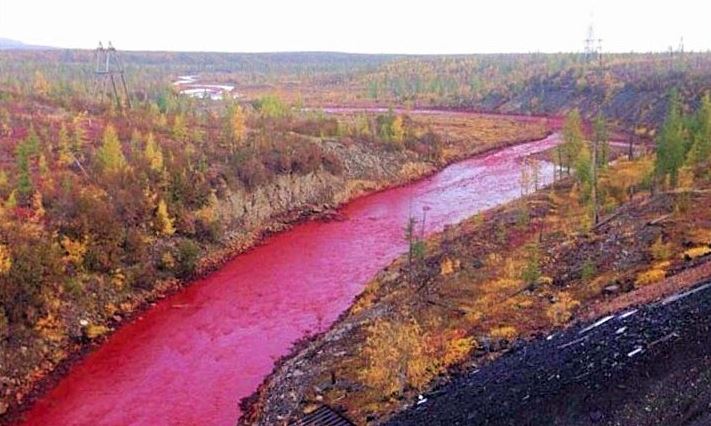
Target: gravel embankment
650,365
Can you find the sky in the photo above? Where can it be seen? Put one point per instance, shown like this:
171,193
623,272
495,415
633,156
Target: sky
363,26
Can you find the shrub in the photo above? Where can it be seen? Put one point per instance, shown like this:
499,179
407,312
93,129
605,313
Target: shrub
394,354
456,348
208,230
167,261
306,158
252,172
683,202
4,325
523,217
701,236
659,250
651,276
35,265
588,271
5,259
271,107
562,311
695,252
187,255
532,271
93,331
332,164
503,332
142,276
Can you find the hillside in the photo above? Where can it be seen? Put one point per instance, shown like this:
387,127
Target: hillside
9,44
630,89
465,297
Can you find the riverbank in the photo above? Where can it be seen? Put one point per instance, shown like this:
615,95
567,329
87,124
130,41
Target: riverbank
291,200
487,286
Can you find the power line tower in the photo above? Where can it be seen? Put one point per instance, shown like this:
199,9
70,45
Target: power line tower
109,69
593,46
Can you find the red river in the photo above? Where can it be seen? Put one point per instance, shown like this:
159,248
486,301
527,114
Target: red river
192,357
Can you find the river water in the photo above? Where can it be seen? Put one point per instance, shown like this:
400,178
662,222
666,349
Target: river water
189,85
192,357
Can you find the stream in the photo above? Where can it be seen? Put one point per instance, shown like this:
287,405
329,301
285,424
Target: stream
194,355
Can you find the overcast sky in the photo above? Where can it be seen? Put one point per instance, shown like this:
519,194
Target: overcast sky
369,26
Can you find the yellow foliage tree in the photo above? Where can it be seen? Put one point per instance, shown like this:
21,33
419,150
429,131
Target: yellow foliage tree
235,126
239,125
5,260
153,153
180,130
395,356
110,155
398,129
11,201
209,211
40,85
164,223
64,147
38,205
79,135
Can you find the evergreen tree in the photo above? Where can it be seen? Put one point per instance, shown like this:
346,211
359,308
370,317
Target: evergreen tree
700,153
79,137
601,141
64,154
573,139
25,150
670,144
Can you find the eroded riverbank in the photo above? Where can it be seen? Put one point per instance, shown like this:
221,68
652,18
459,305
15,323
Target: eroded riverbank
205,348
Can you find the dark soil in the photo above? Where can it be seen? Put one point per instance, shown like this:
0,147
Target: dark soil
652,367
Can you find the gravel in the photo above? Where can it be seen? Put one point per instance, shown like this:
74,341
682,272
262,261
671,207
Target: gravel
650,365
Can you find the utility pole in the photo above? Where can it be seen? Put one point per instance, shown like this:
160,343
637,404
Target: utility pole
109,69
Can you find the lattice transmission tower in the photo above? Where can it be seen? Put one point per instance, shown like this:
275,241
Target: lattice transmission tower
593,46
109,75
